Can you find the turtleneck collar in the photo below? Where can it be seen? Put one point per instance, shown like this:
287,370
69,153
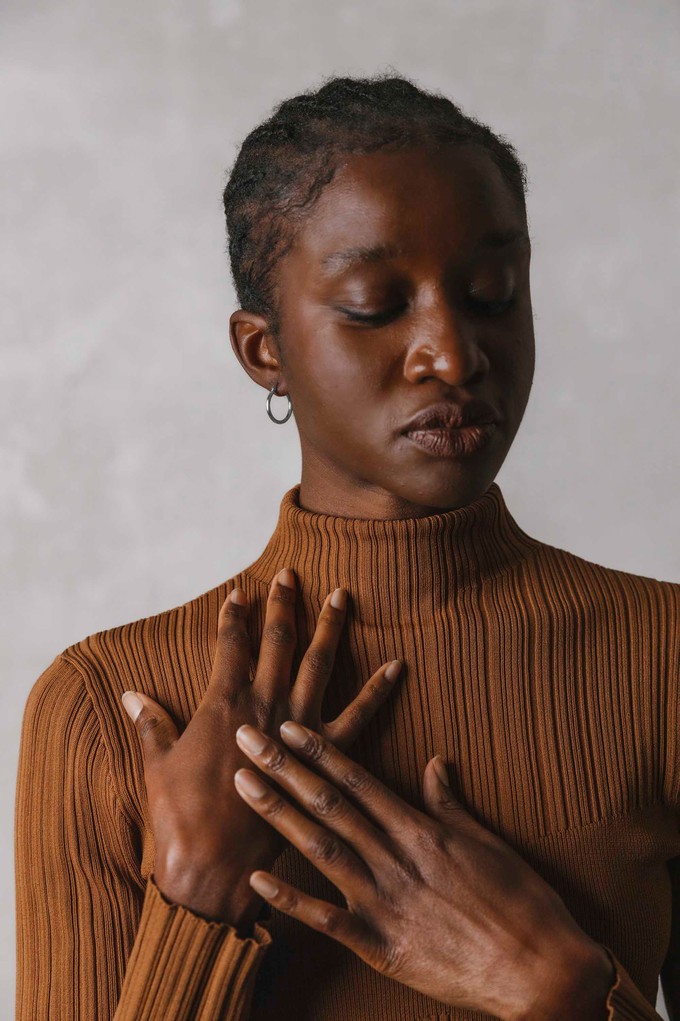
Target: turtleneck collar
386,564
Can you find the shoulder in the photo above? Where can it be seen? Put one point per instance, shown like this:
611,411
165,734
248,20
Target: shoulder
607,587
59,695
61,738
152,654
167,655
629,617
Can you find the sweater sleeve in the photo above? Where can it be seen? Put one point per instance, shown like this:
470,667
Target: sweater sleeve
91,942
670,969
625,1002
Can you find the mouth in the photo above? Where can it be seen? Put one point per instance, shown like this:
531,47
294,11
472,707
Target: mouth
453,441
452,415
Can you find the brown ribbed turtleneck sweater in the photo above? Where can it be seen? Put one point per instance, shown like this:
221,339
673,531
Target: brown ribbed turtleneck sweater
548,684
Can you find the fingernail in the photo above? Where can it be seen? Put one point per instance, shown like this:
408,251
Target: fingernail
263,885
250,783
440,770
250,738
339,599
393,670
294,733
132,704
238,596
286,578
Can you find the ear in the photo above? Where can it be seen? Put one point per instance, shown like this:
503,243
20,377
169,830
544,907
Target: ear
253,344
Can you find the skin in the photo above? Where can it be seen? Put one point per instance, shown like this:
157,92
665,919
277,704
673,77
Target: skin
434,900
527,957
206,839
437,346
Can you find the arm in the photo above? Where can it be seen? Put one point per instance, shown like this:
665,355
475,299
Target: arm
588,982
625,1002
597,988
531,961
91,943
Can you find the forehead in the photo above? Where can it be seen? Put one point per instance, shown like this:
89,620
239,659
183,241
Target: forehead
409,201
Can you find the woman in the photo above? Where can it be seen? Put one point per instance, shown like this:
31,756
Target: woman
209,862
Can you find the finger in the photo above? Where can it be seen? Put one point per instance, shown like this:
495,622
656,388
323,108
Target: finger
315,670
231,662
325,850
440,800
346,727
382,806
155,727
279,638
318,797
330,919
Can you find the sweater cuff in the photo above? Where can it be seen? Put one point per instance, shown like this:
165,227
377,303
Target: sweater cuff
625,1002
183,966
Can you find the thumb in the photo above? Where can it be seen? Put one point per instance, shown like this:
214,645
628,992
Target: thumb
155,727
440,800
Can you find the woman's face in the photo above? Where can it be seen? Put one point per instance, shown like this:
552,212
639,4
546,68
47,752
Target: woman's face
382,314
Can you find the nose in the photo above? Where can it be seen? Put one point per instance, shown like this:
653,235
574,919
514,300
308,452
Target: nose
445,348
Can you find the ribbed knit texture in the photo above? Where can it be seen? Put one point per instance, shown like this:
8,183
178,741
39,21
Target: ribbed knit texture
548,684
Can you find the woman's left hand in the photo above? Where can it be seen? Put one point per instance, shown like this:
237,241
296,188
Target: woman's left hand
435,901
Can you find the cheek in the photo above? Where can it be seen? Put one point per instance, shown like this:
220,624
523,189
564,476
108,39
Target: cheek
511,351
514,365
343,396
339,366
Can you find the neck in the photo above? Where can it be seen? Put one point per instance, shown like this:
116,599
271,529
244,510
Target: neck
387,564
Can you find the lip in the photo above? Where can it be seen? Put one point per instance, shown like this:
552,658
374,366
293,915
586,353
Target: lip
452,415
462,441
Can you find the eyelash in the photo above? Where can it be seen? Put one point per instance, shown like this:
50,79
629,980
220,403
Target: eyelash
494,307
382,318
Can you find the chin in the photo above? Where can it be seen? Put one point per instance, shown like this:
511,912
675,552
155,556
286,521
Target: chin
447,482
441,490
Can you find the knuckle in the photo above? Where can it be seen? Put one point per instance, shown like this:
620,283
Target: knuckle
314,748
358,781
282,594
279,633
263,706
230,613
379,686
319,660
391,959
328,802
329,920
287,902
429,838
147,722
226,700
274,759
409,873
326,849
330,616
272,805
235,634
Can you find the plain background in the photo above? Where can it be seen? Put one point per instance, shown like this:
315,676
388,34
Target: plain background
138,464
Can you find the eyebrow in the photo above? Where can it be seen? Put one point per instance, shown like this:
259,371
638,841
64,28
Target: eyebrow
366,255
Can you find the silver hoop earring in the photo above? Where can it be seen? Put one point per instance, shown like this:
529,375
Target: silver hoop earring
272,392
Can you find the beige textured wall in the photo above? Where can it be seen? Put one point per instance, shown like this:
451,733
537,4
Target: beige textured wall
138,465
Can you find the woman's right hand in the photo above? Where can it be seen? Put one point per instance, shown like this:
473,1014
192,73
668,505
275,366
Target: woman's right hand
208,840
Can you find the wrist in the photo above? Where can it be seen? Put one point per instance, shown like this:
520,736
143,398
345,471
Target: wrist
232,903
575,985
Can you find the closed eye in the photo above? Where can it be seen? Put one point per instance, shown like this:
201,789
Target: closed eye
382,318
372,318
492,307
